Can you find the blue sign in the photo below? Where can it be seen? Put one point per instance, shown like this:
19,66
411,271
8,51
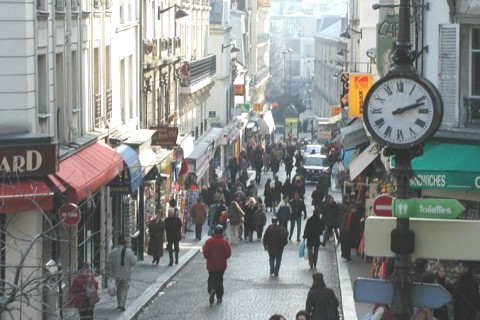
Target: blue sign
381,291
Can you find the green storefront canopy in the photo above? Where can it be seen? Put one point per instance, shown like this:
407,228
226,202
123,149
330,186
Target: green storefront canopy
447,166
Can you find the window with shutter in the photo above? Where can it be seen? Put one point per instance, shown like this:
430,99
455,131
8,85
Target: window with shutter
448,73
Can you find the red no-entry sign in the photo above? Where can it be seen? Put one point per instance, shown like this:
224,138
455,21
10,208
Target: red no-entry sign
69,214
382,205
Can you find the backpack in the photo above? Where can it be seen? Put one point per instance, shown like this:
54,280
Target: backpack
90,294
222,218
283,214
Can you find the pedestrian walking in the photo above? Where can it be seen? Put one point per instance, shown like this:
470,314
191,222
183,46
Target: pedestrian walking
288,161
319,298
237,217
441,278
233,167
302,315
297,207
252,190
173,230
220,212
119,266
329,211
267,195
249,221
276,192
283,212
260,220
156,231
76,293
312,232
274,240
198,212
216,250
347,233
317,196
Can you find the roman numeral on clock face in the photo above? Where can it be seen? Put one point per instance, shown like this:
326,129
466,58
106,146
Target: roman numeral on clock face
399,134
380,122
420,123
388,132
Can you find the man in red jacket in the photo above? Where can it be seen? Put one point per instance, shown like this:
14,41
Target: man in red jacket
216,250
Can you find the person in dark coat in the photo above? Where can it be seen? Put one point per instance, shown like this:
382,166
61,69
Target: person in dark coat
274,165
173,230
156,229
267,195
466,297
75,293
288,165
274,240
312,232
298,207
260,220
318,297
249,222
233,166
329,210
276,192
347,232
287,189
216,250
317,196
220,207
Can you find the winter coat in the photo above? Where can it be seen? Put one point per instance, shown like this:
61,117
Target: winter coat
216,250
260,218
220,207
277,190
329,212
316,305
75,293
267,194
173,228
466,297
156,230
114,266
288,189
198,212
249,223
275,239
298,206
317,197
313,230
237,216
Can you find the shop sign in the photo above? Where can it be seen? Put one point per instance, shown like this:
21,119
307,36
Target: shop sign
344,80
164,136
359,85
122,184
387,31
438,180
28,161
258,107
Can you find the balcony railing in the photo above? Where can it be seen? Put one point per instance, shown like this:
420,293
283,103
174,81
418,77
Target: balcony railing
259,77
472,104
196,71
109,104
98,110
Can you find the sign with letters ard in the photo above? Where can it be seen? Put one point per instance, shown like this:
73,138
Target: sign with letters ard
28,160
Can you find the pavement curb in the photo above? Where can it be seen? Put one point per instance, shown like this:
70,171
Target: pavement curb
160,283
346,291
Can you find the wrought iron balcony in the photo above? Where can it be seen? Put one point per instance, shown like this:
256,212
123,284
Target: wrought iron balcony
193,73
472,105
262,38
259,77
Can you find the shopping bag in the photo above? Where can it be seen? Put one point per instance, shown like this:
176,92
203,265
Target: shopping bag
301,249
112,287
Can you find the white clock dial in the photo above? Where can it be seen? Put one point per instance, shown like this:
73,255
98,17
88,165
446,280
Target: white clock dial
401,111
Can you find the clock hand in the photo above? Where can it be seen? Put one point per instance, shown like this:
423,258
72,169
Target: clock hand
412,106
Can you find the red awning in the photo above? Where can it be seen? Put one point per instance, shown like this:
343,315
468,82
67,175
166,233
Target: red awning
25,195
88,170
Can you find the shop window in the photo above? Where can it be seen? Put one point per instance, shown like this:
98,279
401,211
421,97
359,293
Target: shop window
89,232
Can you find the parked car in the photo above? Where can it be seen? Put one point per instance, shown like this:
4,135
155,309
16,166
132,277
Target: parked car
316,166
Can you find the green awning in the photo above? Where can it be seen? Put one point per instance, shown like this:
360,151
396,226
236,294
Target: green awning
447,166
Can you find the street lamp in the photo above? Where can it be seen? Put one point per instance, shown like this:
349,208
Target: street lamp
289,52
234,49
179,13
345,34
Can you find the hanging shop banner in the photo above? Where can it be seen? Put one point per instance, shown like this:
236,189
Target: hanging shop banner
291,128
360,83
344,90
386,36
164,136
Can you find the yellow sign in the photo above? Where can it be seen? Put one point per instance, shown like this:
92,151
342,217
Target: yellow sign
291,128
359,84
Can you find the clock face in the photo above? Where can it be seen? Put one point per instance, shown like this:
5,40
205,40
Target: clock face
402,111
